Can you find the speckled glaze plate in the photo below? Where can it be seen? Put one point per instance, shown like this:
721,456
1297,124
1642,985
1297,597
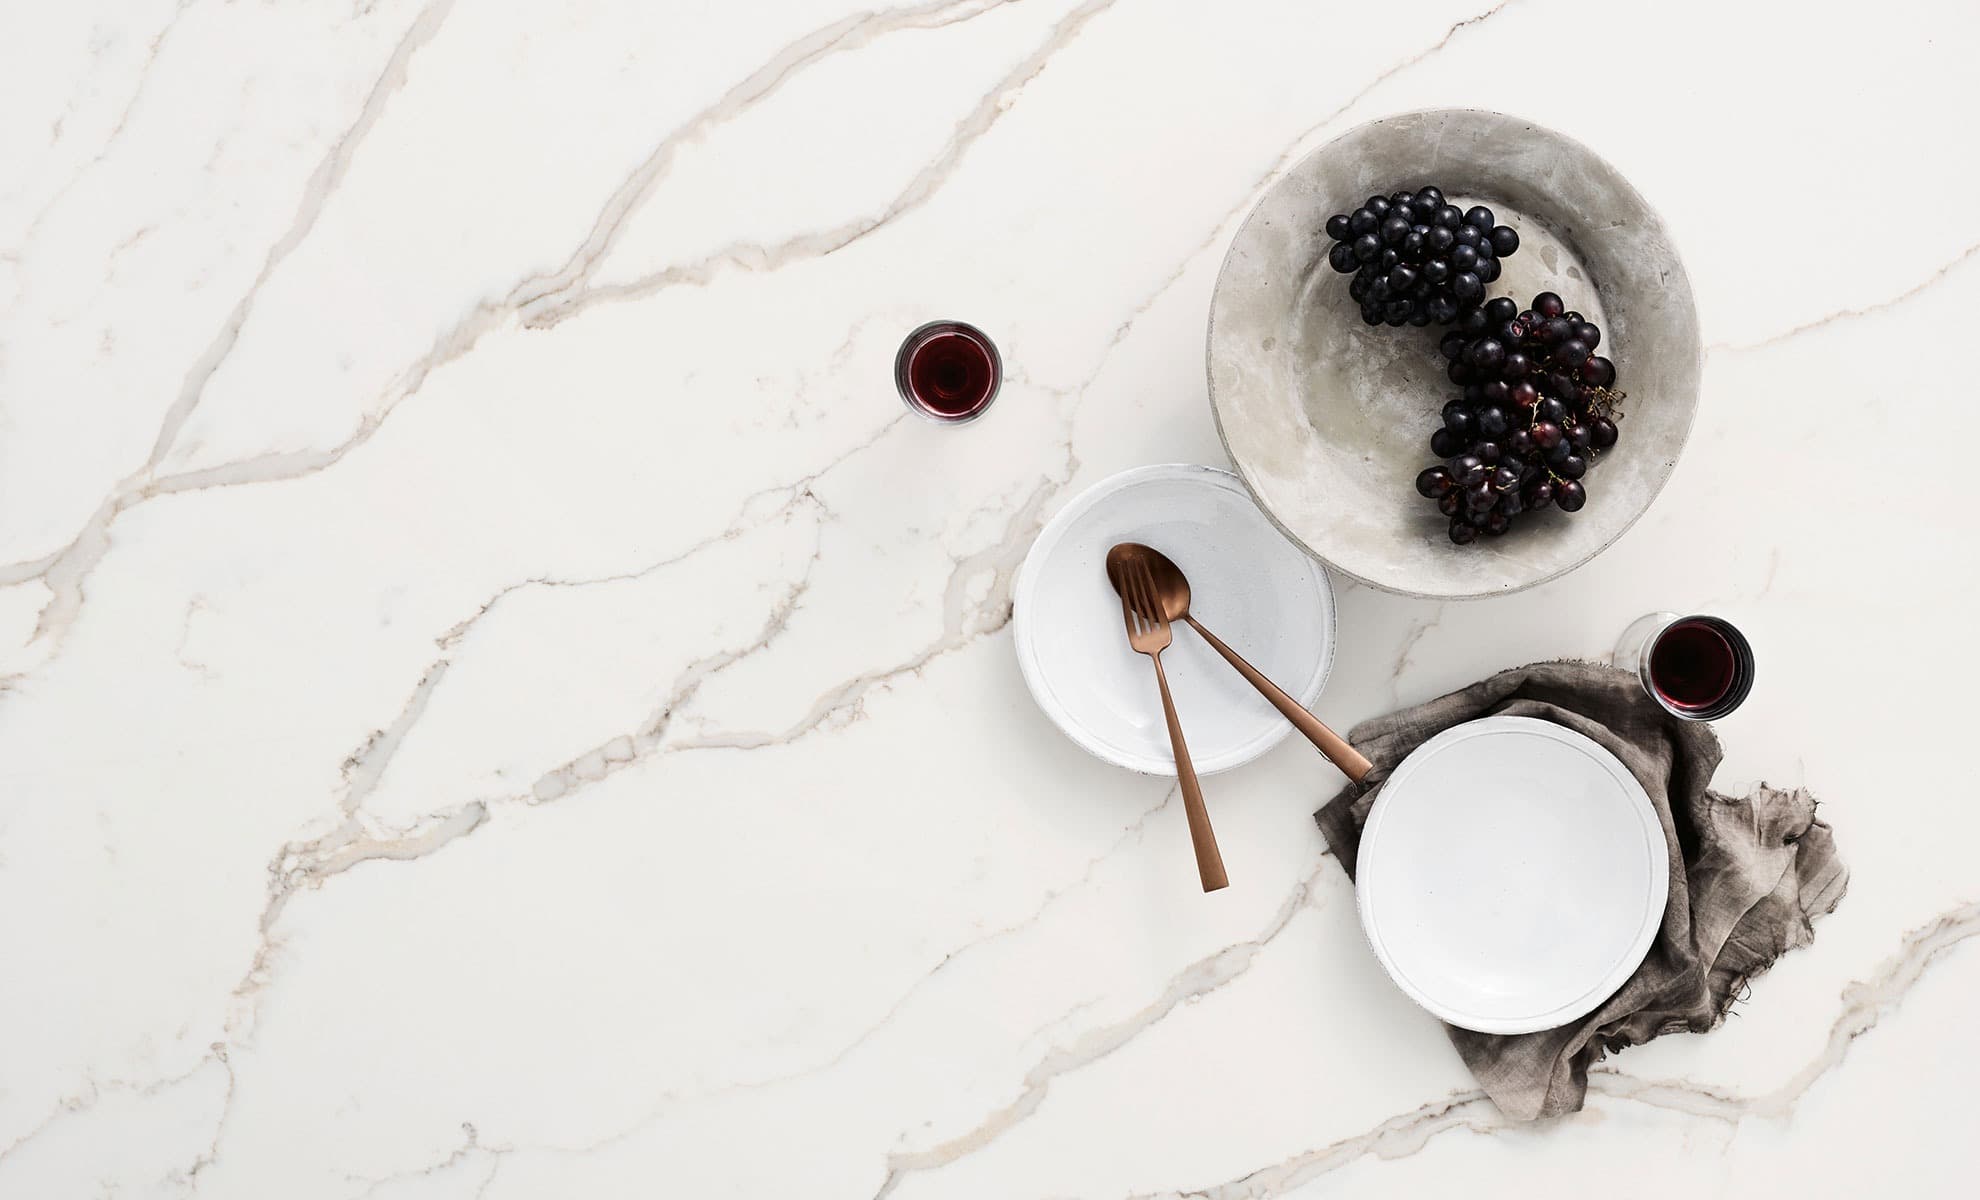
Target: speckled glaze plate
1250,586
1511,876
1328,420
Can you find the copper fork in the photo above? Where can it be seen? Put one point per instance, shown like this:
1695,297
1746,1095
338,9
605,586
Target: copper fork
1148,632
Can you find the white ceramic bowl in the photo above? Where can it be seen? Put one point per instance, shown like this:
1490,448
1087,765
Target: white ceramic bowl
1512,875
1329,420
1248,585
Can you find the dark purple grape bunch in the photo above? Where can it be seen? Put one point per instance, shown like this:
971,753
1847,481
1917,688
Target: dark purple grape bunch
1538,406
1415,259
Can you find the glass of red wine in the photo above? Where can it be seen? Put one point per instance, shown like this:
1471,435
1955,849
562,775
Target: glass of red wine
1699,668
948,372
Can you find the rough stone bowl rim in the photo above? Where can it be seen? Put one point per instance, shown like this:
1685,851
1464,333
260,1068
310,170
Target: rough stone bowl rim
1679,275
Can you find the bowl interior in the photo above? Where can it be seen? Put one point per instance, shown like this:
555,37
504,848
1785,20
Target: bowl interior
1328,419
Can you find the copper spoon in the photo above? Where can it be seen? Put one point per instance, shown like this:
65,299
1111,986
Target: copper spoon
1172,590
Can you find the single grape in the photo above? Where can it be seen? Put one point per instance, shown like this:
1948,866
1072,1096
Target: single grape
1519,443
1439,239
1505,240
1489,270
1430,194
1379,205
1461,532
1394,229
1449,217
1587,333
1367,248
1405,210
1458,371
1503,478
1516,366
1550,410
1493,422
1495,392
1443,309
1388,258
1451,503
1473,322
1597,371
1466,235
1467,286
1574,466
1460,420
1437,270
1571,352
1525,394
1342,258
1451,344
1445,444
1570,494
1577,435
1378,285
1500,309
1467,469
1486,354
1413,249
1488,453
1601,433
1402,278
1553,455
1547,304
1434,482
1338,227
1546,435
1480,217
1464,258
1480,497
1560,385
1496,523
1371,316
1573,318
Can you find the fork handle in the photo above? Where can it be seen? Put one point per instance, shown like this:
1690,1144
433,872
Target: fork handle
1333,745
1209,862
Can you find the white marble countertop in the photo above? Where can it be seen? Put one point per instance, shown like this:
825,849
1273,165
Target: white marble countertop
497,699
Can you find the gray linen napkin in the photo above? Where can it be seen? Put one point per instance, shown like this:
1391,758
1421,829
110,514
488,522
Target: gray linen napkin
1747,875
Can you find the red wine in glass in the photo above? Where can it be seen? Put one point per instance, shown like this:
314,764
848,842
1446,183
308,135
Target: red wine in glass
1692,665
1698,668
948,371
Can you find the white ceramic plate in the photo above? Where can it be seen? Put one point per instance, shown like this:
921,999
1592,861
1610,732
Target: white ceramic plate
1512,875
1248,585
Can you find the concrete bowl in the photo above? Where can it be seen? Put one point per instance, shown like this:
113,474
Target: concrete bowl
1328,419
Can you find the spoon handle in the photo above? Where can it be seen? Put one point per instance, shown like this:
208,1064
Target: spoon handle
1329,743
1209,861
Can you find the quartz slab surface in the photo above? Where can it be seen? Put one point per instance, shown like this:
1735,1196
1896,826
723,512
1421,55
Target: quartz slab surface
498,699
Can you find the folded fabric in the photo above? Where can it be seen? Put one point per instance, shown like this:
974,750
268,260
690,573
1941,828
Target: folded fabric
1748,874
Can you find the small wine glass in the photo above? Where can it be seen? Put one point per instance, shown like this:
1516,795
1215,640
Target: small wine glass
1697,667
948,372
